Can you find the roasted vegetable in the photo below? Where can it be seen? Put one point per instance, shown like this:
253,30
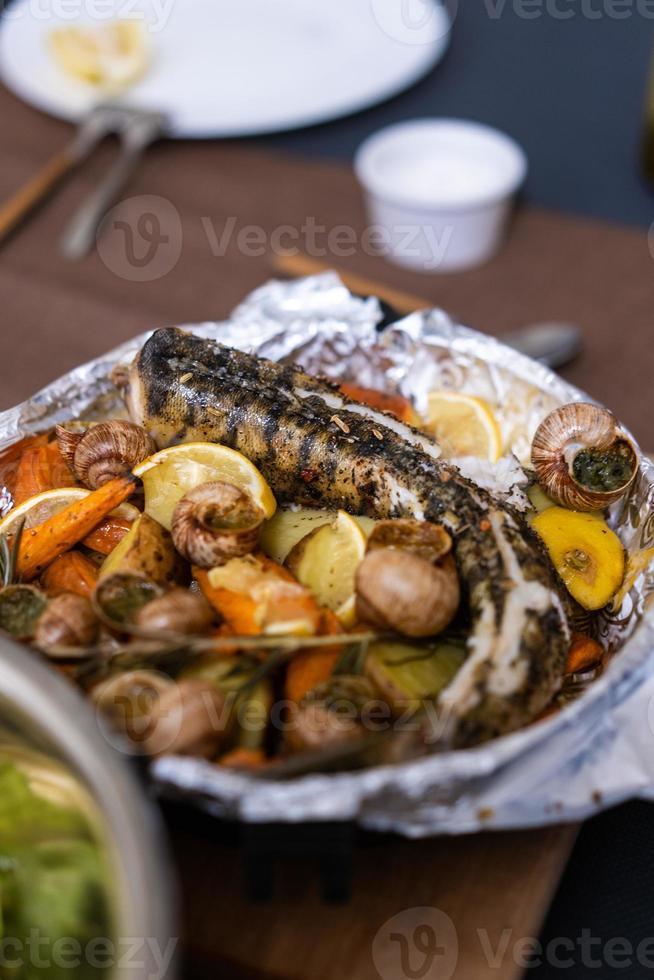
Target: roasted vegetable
313,666
586,553
107,535
40,546
71,572
147,550
326,561
255,595
41,468
406,675
288,526
584,654
20,608
397,405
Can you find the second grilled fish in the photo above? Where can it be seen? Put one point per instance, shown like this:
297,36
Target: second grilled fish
316,447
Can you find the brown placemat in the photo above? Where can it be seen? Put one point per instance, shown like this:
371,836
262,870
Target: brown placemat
56,314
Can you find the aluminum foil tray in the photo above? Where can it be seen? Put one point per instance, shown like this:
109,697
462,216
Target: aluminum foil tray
593,753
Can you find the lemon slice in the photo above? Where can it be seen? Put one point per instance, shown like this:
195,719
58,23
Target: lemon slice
288,526
37,509
326,560
111,56
463,425
171,473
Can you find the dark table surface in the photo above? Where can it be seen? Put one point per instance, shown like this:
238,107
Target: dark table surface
569,86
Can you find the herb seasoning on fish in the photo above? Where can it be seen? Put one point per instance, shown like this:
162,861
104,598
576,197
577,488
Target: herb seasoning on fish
282,420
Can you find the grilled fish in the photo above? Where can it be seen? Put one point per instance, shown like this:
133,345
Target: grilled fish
317,447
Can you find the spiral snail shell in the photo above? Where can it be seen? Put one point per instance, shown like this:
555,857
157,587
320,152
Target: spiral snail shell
104,451
582,458
215,522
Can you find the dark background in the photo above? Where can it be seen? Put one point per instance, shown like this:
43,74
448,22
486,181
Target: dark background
571,91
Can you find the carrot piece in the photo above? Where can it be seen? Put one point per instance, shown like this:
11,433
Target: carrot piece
256,601
312,667
71,572
107,535
39,546
397,405
583,654
243,759
10,460
308,669
41,468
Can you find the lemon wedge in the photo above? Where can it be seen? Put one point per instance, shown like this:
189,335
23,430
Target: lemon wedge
110,56
171,473
288,526
37,509
463,425
326,560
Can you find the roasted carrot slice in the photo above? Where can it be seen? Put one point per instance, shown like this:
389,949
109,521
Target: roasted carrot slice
107,535
240,758
312,667
39,546
397,405
71,572
41,468
583,654
10,460
253,599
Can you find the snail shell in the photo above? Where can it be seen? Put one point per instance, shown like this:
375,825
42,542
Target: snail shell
403,592
105,451
67,621
128,701
178,611
215,522
68,440
582,458
422,538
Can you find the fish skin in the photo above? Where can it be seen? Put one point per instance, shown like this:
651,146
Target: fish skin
316,447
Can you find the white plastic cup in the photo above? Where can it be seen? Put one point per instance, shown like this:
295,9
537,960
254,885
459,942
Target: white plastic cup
439,191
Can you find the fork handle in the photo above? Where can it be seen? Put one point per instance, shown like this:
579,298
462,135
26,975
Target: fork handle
34,192
80,235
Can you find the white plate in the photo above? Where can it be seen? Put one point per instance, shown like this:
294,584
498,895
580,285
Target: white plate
237,67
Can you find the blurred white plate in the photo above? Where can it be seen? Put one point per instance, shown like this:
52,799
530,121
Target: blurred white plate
237,67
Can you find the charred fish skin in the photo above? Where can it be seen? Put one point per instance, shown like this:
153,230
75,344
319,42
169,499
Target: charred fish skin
314,446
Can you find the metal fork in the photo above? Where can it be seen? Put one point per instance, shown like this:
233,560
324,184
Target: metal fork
137,129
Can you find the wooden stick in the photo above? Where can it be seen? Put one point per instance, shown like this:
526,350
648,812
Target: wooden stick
302,265
34,192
